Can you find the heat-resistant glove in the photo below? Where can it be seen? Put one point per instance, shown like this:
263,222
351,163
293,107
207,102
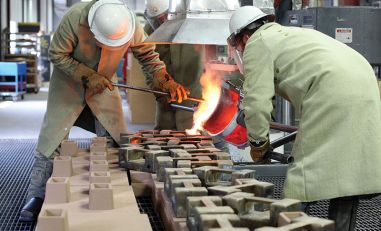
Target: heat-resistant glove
164,104
257,153
163,101
163,81
94,81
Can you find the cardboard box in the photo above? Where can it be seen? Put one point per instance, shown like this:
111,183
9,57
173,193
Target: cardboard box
157,188
142,189
142,104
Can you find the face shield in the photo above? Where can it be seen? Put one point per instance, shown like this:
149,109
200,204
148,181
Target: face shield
156,21
238,58
236,51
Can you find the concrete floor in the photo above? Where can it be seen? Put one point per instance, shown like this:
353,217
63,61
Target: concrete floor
22,119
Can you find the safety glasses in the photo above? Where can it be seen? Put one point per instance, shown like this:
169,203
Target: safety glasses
234,41
155,22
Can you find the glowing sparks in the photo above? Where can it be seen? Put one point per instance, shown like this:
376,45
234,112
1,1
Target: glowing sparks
210,93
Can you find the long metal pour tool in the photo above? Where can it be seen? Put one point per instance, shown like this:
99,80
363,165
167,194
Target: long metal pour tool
154,91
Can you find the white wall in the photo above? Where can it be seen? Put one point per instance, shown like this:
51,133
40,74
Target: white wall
3,14
30,10
46,16
16,10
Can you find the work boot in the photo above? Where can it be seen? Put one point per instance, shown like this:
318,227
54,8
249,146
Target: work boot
31,210
343,212
306,207
41,172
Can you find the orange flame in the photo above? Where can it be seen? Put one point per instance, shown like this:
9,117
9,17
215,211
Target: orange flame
210,93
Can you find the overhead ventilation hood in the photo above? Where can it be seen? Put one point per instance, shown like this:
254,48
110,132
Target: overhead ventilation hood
196,22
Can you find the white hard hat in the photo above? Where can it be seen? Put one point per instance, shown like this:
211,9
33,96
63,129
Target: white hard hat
244,16
156,12
111,22
156,7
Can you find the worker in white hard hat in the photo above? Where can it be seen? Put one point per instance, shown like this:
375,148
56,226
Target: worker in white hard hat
184,64
337,148
86,50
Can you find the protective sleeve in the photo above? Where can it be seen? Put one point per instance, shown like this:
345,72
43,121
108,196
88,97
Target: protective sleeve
148,78
258,89
145,53
64,41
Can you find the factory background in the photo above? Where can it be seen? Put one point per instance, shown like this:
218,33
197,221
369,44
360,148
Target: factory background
27,28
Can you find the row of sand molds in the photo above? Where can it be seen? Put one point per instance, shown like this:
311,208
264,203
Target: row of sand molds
101,196
53,219
62,166
57,190
101,193
69,148
58,186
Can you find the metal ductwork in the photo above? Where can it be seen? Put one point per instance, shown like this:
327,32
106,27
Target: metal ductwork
196,22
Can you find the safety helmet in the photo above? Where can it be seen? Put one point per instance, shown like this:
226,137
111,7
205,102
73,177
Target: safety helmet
156,12
112,22
245,17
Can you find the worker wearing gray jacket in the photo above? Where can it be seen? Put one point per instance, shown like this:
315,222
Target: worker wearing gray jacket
184,64
86,50
337,149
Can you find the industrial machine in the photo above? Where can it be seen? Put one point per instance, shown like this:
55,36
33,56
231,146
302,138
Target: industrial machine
357,27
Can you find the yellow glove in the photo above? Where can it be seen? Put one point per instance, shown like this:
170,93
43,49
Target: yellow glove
166,83
257,153
94,81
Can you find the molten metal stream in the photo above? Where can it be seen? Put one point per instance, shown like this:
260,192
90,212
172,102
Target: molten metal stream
211,94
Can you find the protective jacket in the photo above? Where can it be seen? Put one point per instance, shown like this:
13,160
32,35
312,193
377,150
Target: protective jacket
72,44
184,65
337,150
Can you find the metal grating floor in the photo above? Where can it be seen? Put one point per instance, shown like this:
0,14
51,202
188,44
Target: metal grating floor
16,159
146,207
368,215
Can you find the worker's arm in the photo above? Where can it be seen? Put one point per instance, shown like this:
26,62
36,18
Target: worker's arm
259,89
147,76
145,53
63,43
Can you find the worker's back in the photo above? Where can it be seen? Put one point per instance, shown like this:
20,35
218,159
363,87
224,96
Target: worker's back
304,57
337,150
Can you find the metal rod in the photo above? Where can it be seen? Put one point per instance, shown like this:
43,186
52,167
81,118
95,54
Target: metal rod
282,127
286,159
154,91
283,140
182,107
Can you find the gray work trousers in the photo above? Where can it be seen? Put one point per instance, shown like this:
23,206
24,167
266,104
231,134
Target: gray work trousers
43,166
343,212
223,146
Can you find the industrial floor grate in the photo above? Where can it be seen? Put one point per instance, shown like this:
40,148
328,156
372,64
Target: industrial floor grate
368,215
146,207
16,160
